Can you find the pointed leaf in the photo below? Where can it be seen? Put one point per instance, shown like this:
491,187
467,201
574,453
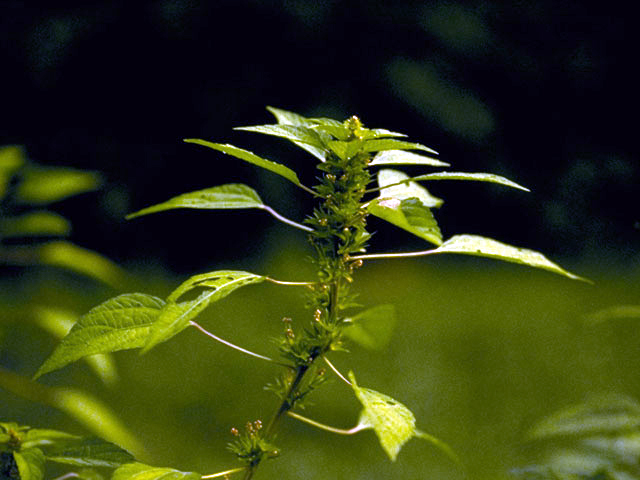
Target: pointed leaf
91,452
37,437
249,157
224,280
229,196
175,317
391,187
401,157
381,133
372,328
123,322
393,423
292,133
378,145
410,215
35,224
140,471
480,177
30,463
41,186
290,118
345,150
487,247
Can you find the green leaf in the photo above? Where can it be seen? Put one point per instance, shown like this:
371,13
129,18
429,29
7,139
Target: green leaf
229,196
285,117
91,452
120,323
401,157
372,328
37,437
603,414
30,463
410,215
391,187
249,157
479,177
345,150
223,280
292,133
393,423
140,471
35,224
378,145
41,186
175,317
487,247
66,255
616,312
12,158
58,322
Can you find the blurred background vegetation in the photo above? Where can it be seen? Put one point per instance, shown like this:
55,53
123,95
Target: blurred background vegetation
538,91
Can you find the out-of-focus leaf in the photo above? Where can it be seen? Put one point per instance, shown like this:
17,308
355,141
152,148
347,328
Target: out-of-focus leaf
372,328
229,196
175,317
58,322
410,215
607,414
90,452
617,312
41,186
250,157
120,323
378,145
478,177
139,471
402,157
390,185
80,260
35,224
30,463
487,247
11,159
86,409
393,423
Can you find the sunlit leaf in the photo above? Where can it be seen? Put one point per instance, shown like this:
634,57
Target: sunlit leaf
35,224
30,463
41,186
607,414
229,196
120,323
66,255
224,281
378,145
285,117
292,133
478,177
487,247
58,322
393,423
402,157
175,317
410,215
390,187
372,328
249,157
86,409
90,452
139,471
345,150
381,133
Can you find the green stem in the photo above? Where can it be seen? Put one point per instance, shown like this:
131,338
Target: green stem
322,426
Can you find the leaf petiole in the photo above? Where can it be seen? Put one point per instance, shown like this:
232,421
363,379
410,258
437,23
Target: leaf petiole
322,426
225,473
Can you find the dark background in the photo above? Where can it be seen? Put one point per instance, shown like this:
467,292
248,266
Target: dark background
543,92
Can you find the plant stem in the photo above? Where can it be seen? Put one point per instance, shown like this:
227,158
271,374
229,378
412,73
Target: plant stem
322,426
226,472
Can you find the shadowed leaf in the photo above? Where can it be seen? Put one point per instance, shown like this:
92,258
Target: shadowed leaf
139,471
